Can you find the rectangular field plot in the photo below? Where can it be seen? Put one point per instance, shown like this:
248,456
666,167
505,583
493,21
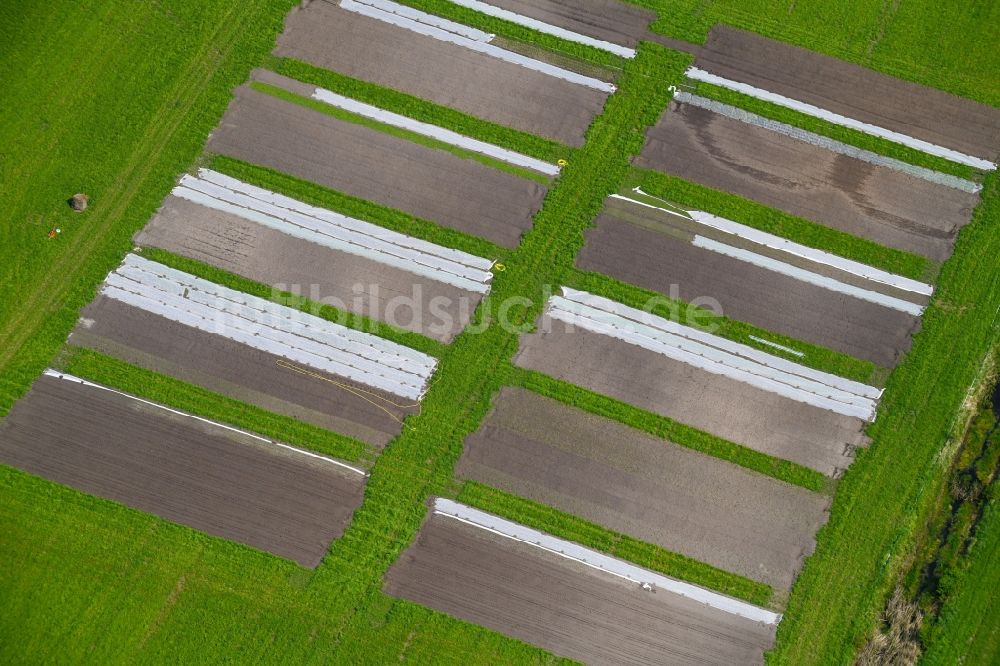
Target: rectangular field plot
445,72
599,23
757,278
319,254
568,607
886,205
212,478
459,193
853,91
724,388
648,488
249,349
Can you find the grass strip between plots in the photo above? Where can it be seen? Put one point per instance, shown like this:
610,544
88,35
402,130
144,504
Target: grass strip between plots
669,429
591,535
423,110
390,218
519,33
799,230
324,311
814,356
420,462
398,132
113,373
834,131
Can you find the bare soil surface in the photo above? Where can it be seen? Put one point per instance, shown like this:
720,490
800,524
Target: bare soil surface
654,258
853,91
845,193
724,407
240,372
180,469
459,193
610,20
344,280
563,606
648,488
327,36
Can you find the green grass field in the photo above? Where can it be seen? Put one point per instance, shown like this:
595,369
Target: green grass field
115,99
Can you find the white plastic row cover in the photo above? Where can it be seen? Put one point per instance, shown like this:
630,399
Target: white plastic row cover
714,354
433,131
817,112
807,276
783,244
546,28
276,329
600,561
336,231
431,26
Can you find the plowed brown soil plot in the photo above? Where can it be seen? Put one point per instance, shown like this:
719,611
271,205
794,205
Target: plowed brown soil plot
610,20
719,405
853,91
433,184
641,246
325,35
179,468
645,487
846,193
325,275
240,372
565,607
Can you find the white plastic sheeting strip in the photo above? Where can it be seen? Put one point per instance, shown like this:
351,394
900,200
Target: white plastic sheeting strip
309,454
796,249
808,276
431,20
270,327
336,231
601,303
817,112
546,28
433,131
787,350
404,17
714,354
600,561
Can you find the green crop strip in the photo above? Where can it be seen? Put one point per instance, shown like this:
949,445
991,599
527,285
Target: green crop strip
832,130
296,301
423,110
669,429
113,373
815,356
398,132
361,209
591,535
781,224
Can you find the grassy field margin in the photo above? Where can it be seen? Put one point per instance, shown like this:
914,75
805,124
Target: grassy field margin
887,494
